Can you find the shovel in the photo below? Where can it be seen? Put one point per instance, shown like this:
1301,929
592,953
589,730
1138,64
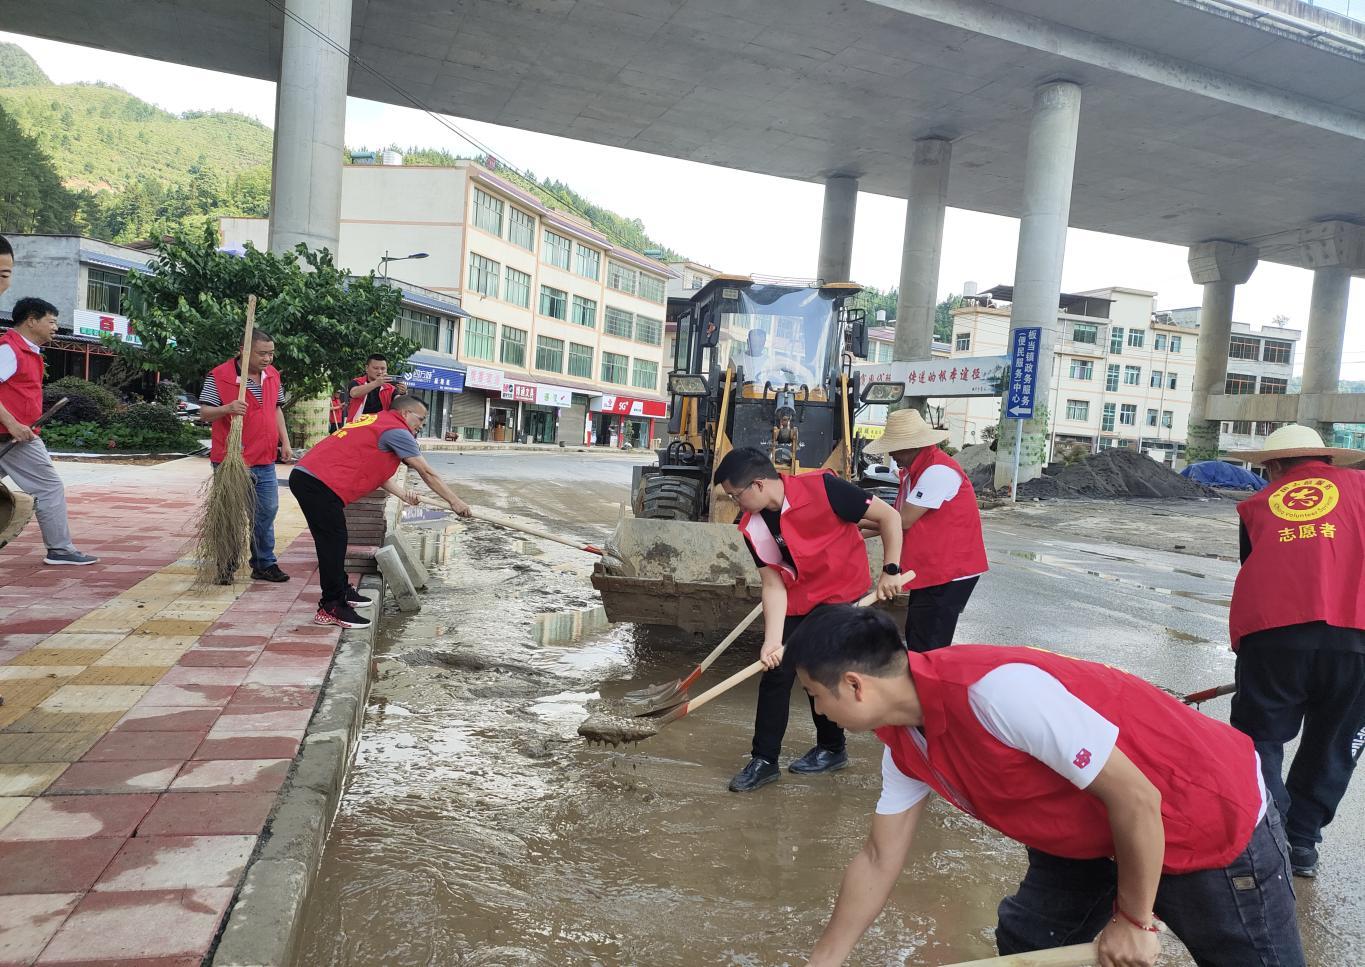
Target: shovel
1077,955
664,696
1194,698
500,522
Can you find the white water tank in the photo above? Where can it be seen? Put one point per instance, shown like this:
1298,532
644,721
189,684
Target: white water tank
391,157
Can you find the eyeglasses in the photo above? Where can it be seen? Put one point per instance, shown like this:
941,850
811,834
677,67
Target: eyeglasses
734,494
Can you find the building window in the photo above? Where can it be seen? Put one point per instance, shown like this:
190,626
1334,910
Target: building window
1175,344
553,302
588,262
521,230
1239,384
1151,417
622,279
1107,419
963,342
1116,340
651,289
1135,338
556,249
619,323
614,368
1082,369
1274,386
1265,429
1167,418
421,327
1242,347
487,212
1132,375
1086,332
650,331
479,336
1111,378
518,288
483,275
645,374
1159,342
549,354
580,360
584,312
513,350
1241,426
107,292
1278,352
1170,380
1128,414
882,352
1078,410
1157,377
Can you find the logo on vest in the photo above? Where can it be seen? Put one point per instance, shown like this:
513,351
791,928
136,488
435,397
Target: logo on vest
1082,759
1306,499
364,419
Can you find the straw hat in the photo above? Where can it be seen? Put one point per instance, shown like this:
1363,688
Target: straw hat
905,430
1293,440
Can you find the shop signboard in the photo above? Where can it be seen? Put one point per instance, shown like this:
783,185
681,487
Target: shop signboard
421,376
86,322
963,376
557,396
521,392
480,377
628,406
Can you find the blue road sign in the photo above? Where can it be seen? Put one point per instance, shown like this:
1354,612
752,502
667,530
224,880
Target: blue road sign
1023,366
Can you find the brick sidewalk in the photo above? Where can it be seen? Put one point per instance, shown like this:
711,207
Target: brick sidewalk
146,727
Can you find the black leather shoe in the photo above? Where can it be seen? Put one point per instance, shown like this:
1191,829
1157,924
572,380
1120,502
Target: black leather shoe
820,760
271,573
1303,860
759,772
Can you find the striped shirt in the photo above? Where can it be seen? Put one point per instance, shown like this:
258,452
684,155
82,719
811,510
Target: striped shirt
208,396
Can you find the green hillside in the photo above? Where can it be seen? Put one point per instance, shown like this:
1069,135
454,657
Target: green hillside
18,69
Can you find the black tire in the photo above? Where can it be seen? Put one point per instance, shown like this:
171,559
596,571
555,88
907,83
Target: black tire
667,497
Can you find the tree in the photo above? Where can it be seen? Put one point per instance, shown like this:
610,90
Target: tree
32,197
943,318
189,309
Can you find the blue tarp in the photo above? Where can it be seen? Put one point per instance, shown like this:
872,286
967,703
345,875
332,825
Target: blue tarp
1216,473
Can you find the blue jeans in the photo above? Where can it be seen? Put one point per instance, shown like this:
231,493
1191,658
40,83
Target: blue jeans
1240,915
263,527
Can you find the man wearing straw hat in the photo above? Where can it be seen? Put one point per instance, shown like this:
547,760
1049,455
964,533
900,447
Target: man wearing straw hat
1297,624
943,544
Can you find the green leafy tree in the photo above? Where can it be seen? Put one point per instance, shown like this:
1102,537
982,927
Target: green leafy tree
190,307
943,318
32,197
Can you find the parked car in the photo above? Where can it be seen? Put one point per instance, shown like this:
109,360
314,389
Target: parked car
186,407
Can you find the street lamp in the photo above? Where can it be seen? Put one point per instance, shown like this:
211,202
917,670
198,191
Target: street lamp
384,262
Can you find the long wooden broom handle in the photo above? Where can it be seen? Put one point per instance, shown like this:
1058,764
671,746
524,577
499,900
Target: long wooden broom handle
246,348
1077,955
438,504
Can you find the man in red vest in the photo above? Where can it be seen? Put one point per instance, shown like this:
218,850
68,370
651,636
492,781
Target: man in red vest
21,403
1297,624
373,392
341,469
263,435
943,543
803,532
1132,805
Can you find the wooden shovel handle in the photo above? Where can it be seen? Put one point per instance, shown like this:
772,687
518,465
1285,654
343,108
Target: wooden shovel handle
1194,698
522,528
246,347
1077,955
729,640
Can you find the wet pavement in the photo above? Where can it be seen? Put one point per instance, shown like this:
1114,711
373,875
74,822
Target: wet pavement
479,830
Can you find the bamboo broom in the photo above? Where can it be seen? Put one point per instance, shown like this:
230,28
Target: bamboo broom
229,505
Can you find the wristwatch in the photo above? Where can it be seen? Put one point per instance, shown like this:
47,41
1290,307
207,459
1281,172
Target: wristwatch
891,569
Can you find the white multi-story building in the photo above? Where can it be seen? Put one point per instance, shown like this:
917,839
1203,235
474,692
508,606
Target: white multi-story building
564,340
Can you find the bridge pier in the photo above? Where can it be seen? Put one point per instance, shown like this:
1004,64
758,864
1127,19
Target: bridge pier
1048,169
1220,267
836,229
1335,251
310,125
917,296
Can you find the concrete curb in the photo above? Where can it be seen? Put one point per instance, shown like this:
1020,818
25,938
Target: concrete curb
442,446
262,926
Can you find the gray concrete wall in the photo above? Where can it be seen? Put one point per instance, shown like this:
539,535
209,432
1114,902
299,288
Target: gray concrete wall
48,267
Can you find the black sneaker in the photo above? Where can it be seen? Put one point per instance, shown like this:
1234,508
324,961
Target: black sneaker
1303,860
820,759
340,613
273,574
355,599
759,772
69,557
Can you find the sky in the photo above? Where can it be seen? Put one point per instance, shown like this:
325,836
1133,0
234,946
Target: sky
734,221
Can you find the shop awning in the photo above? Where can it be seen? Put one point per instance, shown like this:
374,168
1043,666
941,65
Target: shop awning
434,371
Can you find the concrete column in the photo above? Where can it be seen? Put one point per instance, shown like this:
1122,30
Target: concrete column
922,252
310,126
836,229
1048,168
1322,343
1219,267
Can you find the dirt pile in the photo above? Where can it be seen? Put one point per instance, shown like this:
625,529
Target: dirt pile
975,457
1114,473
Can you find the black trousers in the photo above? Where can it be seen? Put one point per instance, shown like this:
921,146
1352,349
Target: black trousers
931,617
326,517
1282,689
774,706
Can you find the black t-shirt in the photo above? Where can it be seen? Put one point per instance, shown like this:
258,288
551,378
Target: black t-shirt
848,500
373,403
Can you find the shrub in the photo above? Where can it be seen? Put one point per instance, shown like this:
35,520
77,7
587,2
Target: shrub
75,436
85,402
150,426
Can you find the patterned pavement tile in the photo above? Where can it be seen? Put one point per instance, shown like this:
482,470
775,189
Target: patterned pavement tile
152,718
93,698
232,775
208,814
203,657
146,775
134,746
78,817
11,806
42,720
188,696
142,924
27,923
119,675
198,675
27,747
30,778
250,746
177,863
54,866
286,720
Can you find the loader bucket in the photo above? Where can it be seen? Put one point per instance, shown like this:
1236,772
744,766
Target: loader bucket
15,511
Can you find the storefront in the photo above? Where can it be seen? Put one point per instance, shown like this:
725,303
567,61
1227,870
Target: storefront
437,381
624,421
539,406
481,413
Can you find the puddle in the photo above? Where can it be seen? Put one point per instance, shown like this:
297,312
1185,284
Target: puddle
566,627
1186,637
1212,599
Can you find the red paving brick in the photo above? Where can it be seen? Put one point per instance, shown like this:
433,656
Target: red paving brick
250,747
27,923
149,775
54,866
143,746
140,924
177,863
78,817
208,814
232,775
153,719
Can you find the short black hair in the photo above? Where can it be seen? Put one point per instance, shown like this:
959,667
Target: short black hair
838,638
5,247
744,465
376,358
406,402
260,335
30,308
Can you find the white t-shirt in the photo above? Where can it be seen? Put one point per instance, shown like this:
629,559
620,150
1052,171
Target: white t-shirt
9,363
1029,710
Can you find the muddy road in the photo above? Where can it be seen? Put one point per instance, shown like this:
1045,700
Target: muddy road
478,829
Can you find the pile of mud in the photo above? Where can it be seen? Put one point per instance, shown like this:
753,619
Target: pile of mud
1114,473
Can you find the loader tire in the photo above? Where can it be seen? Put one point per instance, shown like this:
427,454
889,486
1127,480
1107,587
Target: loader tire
671,498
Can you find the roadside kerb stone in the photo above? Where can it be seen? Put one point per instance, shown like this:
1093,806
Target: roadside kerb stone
263,925
416,572
396,577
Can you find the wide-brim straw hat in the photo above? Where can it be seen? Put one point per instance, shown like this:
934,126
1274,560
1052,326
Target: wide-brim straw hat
1294,440
905,430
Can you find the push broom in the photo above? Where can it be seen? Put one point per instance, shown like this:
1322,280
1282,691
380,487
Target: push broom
224,526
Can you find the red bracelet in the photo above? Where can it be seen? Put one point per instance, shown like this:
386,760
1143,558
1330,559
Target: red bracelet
1153,927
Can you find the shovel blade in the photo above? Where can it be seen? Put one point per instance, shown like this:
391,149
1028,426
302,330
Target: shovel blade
654,693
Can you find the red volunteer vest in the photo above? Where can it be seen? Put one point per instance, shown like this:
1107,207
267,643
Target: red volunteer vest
1205,770
338,414
1307,547
260,432
22,393
944,544
830,556
356,405
350,462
